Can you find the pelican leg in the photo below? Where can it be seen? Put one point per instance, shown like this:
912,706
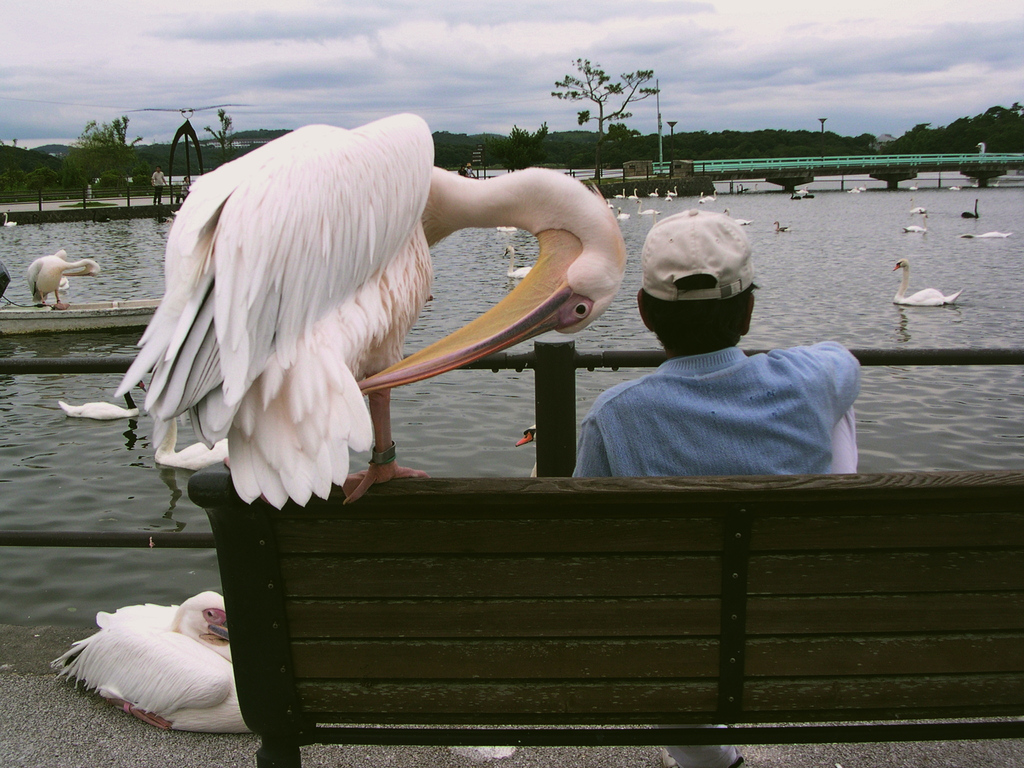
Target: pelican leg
380,414
59,304
143,715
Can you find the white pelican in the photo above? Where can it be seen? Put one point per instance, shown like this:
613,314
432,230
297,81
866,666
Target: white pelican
170,666
102,411
9,223
922,229
294,273
780,229
968,214
46,273
516,273
929,297
195,456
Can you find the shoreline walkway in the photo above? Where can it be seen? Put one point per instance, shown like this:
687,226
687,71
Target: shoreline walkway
49,723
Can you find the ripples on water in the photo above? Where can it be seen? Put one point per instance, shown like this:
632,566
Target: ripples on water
830,277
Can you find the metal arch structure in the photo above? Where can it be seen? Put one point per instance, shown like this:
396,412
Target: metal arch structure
186,132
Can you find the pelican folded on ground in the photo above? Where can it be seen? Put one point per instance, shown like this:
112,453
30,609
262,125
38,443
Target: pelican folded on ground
928,297
294,273
170,666
45,275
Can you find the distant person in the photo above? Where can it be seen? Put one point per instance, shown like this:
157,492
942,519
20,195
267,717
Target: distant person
158,181
710,409
183,189
467,171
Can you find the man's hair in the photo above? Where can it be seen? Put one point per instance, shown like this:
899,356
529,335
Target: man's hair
696,327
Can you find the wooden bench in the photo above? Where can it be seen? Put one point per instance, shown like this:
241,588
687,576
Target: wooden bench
586,612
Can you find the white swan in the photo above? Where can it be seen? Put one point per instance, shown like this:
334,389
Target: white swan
46,272
928,297
169,666
918,229
102,411
710,199
195,456
514,272
621,216
954,189
654,193
780,229
918,209
529,435
741,222
9,223
644,211
634,196
989,234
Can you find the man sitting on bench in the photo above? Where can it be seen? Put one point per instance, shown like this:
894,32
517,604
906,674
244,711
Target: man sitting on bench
710,409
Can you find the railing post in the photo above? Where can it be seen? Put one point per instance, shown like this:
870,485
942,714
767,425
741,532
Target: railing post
555,402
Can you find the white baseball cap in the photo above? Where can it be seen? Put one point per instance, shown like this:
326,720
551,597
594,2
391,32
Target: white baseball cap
696,243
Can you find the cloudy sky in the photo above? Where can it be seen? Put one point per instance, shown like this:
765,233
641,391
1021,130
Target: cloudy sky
869,66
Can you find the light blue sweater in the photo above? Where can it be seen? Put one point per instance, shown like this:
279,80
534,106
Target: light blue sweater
723,413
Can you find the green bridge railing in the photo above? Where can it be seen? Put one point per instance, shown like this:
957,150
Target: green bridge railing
849,163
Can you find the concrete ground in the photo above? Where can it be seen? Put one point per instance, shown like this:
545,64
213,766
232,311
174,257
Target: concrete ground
49,723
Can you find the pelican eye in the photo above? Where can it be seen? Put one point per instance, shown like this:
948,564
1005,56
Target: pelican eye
581,310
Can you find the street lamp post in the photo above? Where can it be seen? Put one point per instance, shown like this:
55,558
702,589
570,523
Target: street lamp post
671,146
822,121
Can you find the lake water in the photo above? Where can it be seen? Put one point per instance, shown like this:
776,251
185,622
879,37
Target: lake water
829,277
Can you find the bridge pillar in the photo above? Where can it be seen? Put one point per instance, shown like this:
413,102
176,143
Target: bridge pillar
892,180
981,176
789,183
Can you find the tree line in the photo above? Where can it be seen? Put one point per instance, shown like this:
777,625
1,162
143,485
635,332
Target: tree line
106,155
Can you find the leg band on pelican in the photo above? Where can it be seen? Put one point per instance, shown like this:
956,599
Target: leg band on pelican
383,457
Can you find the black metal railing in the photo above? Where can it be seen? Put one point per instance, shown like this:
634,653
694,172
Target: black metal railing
554,364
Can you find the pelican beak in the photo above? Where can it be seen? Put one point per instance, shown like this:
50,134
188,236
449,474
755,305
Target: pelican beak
542,302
